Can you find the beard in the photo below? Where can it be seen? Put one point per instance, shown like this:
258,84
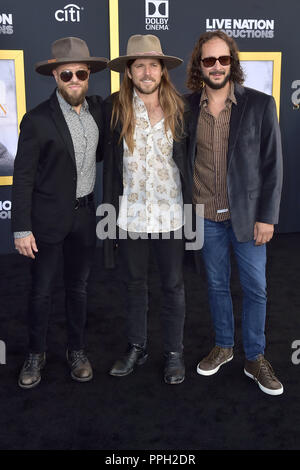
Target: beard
213,85
145,91
73,100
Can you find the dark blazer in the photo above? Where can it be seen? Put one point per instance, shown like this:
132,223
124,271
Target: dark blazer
254,159
45,176
113,170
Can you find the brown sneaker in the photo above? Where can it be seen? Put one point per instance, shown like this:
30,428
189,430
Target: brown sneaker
261,371
216,358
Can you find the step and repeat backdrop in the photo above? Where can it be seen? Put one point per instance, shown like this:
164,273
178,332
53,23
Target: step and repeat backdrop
266,34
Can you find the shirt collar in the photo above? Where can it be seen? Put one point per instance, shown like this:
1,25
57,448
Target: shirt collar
65,106
141,111
230,98
137,99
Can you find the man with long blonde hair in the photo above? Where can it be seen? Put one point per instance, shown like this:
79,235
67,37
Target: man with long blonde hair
145,179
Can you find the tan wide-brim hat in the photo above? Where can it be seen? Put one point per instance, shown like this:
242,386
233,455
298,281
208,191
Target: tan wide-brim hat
143,47
67,51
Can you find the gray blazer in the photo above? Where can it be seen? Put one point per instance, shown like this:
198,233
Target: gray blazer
254,159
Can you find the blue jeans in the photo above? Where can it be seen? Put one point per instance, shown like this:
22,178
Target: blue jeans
251,260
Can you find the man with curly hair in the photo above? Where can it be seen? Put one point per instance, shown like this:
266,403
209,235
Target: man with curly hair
236,157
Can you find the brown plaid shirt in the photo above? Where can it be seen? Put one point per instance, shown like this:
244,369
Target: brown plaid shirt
210,187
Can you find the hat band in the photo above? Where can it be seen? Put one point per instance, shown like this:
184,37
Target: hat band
148,53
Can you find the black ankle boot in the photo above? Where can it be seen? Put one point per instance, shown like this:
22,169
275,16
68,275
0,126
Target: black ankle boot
81,369
30,375
135,355
174,368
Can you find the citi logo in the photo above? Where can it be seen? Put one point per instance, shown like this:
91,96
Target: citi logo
70,12
157,8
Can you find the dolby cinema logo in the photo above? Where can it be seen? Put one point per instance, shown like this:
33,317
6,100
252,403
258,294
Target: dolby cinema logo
156,15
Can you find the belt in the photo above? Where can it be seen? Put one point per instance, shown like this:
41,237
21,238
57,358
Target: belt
84,200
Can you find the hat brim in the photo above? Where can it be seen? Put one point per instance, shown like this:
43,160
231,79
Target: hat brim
96,64
119,64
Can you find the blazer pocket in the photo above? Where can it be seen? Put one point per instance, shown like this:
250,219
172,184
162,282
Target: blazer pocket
254,194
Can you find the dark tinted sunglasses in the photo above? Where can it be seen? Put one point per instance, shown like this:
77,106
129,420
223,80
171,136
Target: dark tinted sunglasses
210,61
67,75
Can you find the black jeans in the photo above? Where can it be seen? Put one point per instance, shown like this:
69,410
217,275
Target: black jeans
77,250
134,256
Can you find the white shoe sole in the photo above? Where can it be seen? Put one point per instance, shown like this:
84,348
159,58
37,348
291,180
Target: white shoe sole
213,371
269,391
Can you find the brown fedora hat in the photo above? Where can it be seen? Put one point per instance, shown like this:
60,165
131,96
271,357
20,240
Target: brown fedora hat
67,51
142,46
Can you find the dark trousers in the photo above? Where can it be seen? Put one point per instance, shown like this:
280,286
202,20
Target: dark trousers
134,255
77,250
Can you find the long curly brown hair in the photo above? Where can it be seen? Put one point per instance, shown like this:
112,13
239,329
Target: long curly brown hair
194,72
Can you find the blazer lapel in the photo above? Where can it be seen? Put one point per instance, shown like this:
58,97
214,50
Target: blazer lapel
61,125
119,146
237,113
194,101
95,110
177,156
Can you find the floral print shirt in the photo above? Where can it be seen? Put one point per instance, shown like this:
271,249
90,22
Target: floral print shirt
152,197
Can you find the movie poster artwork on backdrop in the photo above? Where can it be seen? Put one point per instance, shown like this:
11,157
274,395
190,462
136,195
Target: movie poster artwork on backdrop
8,116
12,108
263,72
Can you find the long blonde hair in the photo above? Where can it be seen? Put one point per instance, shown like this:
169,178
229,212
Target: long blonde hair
170,102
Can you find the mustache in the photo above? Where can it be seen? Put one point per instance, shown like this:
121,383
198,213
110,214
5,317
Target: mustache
217,73
74,83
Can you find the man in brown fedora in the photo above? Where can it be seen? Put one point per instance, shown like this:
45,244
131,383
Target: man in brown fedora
145,166
52,200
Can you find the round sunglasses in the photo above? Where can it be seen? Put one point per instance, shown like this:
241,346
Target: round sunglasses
67,75
210,61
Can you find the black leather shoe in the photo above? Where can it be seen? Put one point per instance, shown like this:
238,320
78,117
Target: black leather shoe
30,375
81,369
174,368
135,355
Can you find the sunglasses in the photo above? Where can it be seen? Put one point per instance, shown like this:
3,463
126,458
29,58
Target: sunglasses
67,75
210,61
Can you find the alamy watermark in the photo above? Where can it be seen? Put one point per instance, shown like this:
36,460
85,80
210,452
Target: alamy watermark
191,230
2,352
296,353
